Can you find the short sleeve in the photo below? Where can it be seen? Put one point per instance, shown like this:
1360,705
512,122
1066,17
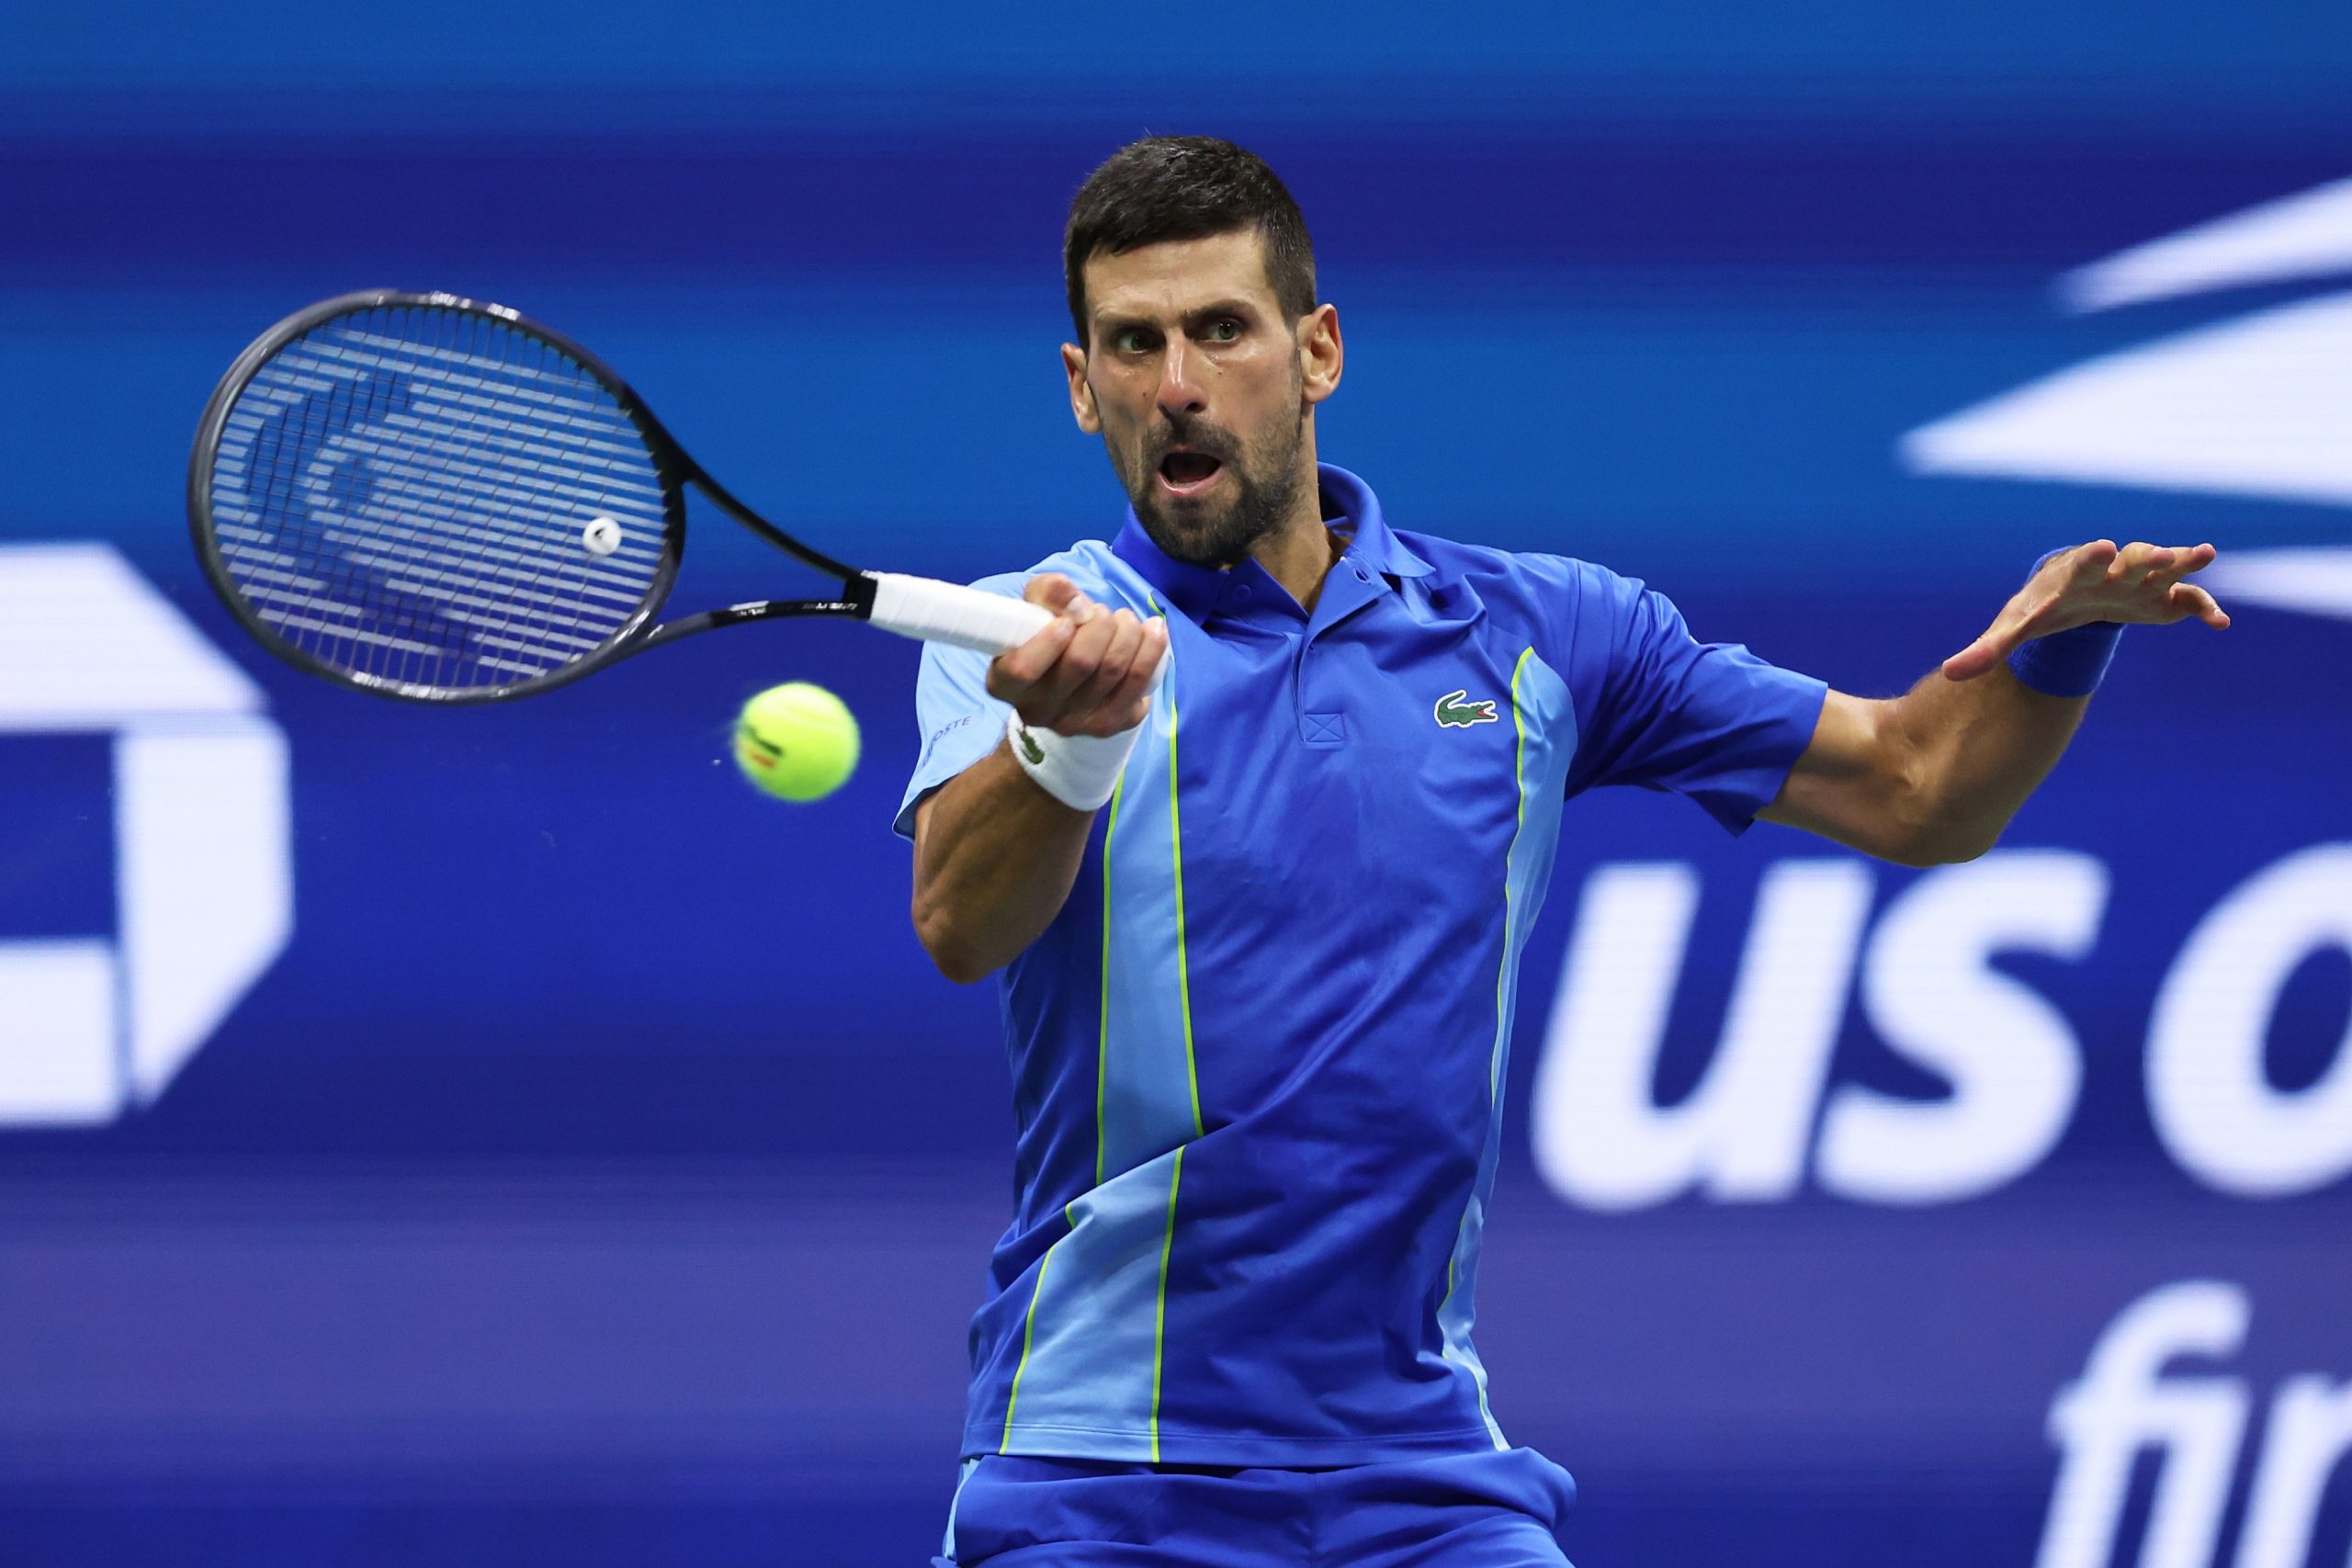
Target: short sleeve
1658,708
960,722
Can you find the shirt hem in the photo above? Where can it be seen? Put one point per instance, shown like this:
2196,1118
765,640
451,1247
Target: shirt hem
1223,1448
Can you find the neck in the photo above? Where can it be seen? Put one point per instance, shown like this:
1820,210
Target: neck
1298,551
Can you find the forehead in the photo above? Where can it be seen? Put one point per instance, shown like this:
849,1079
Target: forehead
1175,276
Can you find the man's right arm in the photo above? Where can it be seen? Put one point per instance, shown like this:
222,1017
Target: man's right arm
995,854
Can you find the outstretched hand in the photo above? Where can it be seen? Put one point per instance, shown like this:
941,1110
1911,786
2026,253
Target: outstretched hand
2091,582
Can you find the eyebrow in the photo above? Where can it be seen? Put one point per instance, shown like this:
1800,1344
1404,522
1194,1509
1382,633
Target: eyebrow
1107,321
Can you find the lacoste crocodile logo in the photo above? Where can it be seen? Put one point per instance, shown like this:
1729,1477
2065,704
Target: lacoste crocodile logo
1035,753
1455,712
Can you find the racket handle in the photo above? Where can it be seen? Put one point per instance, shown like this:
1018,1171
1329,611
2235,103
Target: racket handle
934,611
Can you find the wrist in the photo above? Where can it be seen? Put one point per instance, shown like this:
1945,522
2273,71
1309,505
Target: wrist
2070,663
1080,771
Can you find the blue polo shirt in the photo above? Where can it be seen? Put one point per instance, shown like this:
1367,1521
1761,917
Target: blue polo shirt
1256,1059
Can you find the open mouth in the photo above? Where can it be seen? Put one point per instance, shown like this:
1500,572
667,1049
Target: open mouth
1188,473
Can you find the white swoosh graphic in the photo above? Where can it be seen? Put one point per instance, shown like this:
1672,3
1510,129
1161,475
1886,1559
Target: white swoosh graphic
2257,406
2309,235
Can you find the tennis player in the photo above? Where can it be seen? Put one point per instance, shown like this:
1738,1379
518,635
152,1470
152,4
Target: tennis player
1255,832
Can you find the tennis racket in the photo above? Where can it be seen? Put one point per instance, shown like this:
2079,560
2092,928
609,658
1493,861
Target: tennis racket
434,499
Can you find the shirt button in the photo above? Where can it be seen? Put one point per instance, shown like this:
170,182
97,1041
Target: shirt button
1362,576
1241,591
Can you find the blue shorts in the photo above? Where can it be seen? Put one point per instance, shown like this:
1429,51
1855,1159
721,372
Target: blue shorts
1472,1510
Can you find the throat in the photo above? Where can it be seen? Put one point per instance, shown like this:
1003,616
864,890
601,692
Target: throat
1300,559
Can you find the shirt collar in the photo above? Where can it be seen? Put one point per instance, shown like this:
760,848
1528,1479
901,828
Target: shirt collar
1348,506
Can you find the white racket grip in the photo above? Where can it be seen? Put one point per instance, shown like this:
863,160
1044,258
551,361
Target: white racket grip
932,611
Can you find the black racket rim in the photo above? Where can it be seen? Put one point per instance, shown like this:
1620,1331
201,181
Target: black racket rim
671,464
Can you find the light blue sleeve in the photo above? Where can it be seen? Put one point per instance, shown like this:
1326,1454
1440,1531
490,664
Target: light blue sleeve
961,722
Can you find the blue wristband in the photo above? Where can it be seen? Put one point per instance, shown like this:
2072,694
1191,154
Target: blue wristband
2069,663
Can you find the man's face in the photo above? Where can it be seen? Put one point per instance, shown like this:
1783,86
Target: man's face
1200,389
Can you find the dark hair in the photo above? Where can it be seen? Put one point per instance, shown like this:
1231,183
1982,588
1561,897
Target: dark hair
1186,188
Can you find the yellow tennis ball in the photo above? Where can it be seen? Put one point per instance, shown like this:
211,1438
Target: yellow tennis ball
796,741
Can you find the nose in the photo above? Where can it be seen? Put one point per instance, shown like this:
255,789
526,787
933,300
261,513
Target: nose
1182,393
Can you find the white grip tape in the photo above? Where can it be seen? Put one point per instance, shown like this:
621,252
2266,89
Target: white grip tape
934,611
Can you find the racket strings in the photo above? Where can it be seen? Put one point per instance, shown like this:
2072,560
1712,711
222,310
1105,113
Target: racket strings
404,493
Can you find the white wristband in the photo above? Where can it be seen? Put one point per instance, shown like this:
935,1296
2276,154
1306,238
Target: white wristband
1080,771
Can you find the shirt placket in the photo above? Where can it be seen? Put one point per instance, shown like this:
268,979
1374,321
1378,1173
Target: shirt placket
1319,705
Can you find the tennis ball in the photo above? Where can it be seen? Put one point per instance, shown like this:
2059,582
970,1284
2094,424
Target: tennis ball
796,741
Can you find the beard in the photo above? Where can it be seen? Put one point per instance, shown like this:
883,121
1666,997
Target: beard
1262,481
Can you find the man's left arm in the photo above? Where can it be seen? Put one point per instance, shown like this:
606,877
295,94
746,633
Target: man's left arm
1933,776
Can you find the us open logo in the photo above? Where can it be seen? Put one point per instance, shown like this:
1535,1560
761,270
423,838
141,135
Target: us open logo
2250,406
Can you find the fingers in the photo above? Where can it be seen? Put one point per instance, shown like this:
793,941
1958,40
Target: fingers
1126,638
1125,706
1051,590
2103,561
2089,563
1038,676
1011,676
2184,560
2144,585
1054,699
1977,658
2104,581
2161,565
1088,673
2144,566
2191,600
2097,581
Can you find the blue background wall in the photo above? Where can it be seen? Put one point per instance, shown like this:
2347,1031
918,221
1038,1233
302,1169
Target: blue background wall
601,1174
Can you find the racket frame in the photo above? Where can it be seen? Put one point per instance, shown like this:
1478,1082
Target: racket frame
671,464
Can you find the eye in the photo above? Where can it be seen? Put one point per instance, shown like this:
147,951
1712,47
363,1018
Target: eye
1131,340
1225,328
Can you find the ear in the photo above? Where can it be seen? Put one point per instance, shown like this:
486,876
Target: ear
1321,355
1081,391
